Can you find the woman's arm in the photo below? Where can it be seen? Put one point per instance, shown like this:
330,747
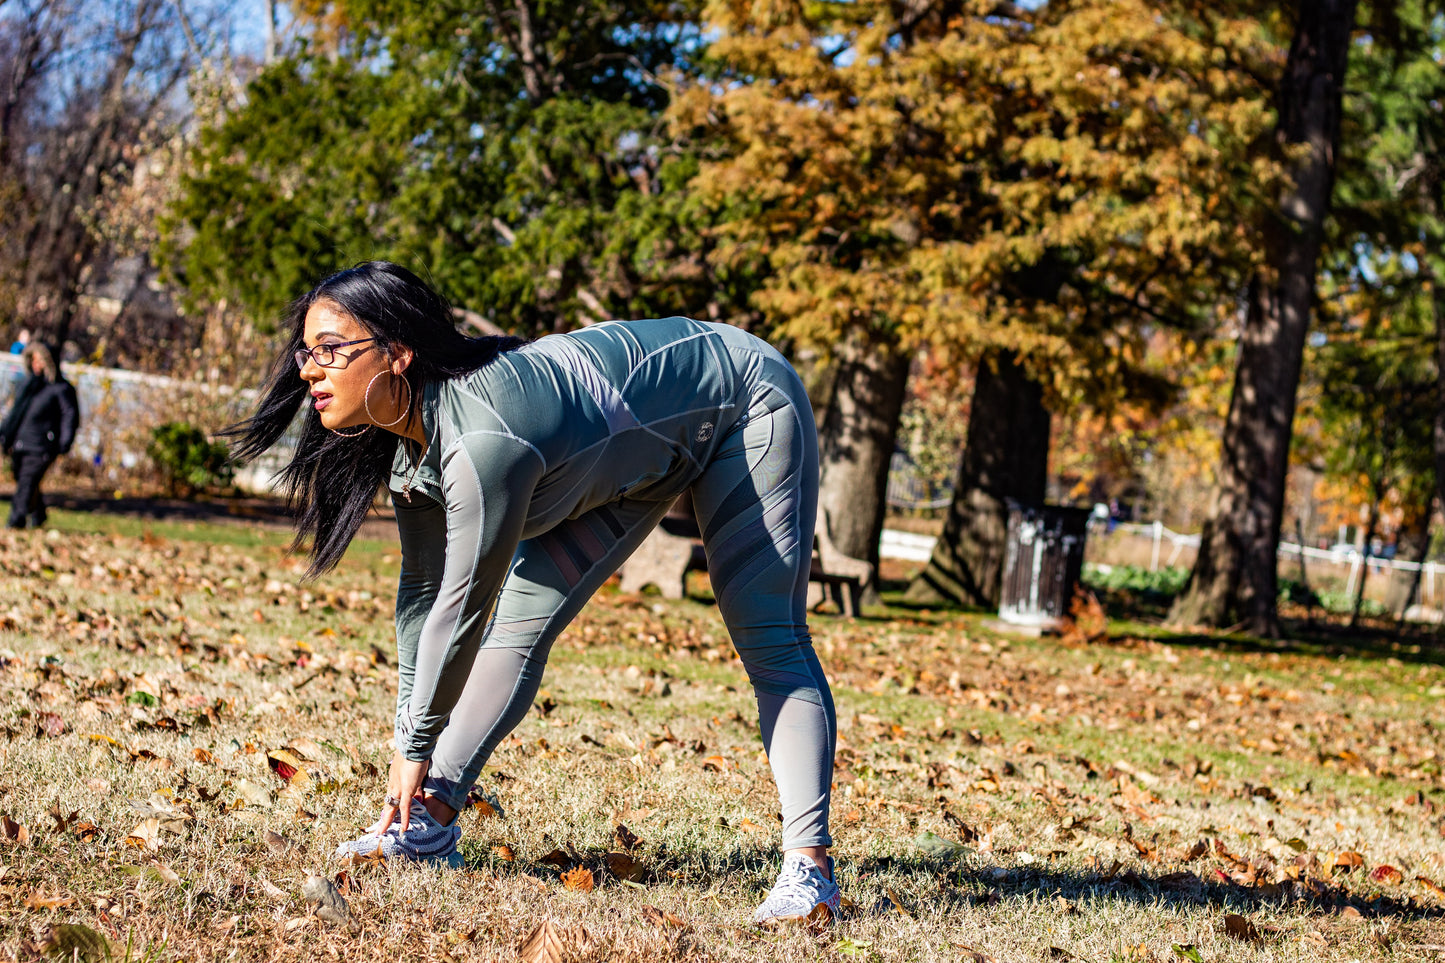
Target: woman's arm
488,478
422,524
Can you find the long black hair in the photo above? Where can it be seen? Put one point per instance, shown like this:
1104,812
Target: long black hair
332,479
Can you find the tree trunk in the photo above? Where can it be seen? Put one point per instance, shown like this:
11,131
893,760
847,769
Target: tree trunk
1413,545
1438,300
1371,528
855,447
1235,578
1006,455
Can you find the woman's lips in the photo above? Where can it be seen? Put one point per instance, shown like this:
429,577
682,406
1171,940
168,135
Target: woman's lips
322,401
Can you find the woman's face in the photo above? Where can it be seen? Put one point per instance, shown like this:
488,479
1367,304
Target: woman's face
338,391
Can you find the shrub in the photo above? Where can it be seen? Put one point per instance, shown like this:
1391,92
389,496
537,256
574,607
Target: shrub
189,462
1134,578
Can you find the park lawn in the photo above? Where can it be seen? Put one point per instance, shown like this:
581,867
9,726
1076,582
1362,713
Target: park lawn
1148,797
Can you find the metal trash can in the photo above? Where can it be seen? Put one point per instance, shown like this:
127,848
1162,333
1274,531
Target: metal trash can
1042,563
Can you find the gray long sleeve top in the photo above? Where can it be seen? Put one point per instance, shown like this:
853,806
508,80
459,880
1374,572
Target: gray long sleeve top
543,433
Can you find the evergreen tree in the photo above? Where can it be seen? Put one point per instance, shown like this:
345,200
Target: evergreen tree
510,152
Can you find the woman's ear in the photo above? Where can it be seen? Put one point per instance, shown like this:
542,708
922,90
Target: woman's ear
401,357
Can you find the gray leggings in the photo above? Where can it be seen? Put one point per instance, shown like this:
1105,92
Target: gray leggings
756,502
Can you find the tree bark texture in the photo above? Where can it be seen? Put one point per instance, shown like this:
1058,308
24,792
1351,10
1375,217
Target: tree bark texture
855,447
1235,579
1412,545
1006,455
1438,440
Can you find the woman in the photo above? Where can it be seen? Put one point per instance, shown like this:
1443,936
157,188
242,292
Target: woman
39,428
523,475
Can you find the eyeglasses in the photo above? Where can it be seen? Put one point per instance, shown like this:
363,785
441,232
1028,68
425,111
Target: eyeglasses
324,354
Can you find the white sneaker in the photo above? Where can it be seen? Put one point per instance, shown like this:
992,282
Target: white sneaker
801,888
426,840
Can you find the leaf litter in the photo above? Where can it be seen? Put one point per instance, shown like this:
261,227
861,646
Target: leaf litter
998,767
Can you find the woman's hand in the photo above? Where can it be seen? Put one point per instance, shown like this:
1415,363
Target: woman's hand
403,783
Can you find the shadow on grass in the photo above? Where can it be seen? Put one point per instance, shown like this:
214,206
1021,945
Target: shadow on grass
975,886
949,884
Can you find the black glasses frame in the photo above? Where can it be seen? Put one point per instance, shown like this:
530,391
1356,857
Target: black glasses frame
326,350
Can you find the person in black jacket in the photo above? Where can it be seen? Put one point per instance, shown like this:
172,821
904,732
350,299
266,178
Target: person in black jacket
39,428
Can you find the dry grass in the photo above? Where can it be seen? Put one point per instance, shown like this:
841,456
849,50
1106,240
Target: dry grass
1014,799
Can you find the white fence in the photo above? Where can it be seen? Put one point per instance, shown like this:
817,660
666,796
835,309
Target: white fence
1166,546
119,408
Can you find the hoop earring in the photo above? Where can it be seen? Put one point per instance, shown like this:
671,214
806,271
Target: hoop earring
366,401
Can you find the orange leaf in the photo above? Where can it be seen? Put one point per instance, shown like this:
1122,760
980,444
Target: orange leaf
1430,885
1345,861
715,763
42,901
503,852
203,756
579,879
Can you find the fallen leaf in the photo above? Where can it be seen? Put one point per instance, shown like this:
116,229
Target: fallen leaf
662,918
13,832
1186,951
504,852
277,843
74,941
330,905
1387,874
250,794
1431,886
1344,861
147,835
288,767
971,955
623,866
939,848
897,903
48,901
558,860
542,945
1241,928
626,839
579,879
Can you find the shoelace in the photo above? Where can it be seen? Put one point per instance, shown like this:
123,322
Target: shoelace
799,876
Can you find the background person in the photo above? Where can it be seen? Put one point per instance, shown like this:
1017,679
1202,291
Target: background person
523,475
39,428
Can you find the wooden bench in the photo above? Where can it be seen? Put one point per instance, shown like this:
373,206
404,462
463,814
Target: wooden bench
674,548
